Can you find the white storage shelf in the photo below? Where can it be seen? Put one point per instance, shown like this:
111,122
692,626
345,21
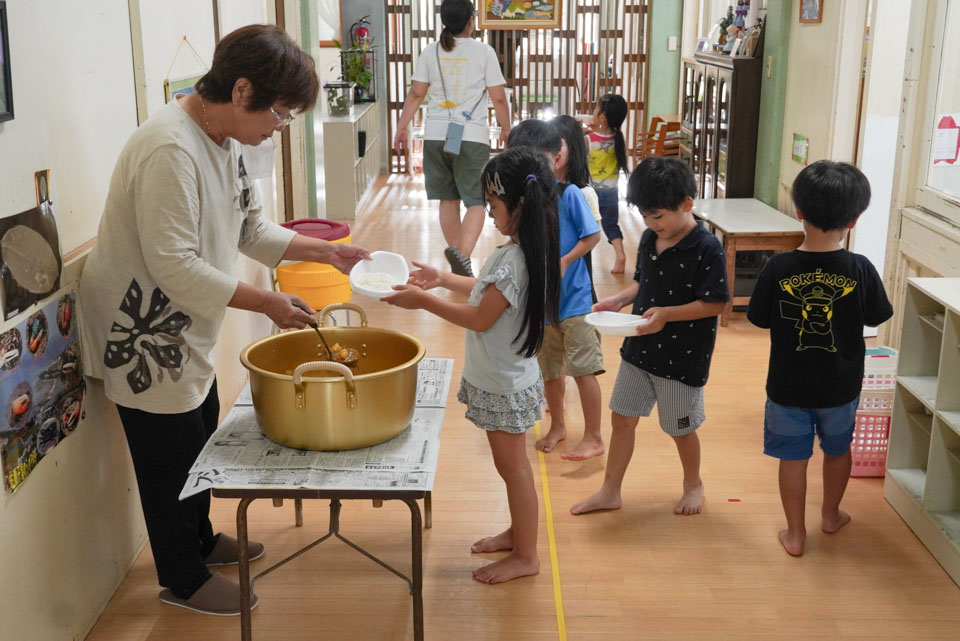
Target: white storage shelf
923,460
351,159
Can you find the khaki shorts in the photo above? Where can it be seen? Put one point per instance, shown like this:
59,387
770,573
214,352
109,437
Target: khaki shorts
573,349
449,177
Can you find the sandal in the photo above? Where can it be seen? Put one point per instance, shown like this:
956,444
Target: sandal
219,596
227,551
459,264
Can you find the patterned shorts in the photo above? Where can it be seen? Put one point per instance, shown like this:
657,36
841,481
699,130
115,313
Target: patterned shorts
679,406
512,413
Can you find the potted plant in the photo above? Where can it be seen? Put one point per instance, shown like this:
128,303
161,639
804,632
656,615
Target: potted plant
358,65
339,97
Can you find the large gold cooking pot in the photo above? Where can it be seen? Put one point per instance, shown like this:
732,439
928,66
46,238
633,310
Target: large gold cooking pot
320,405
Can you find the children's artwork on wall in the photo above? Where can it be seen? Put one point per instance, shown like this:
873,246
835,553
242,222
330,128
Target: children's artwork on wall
6,81
41,386
30,261
811,10
520,14
179,87
182,85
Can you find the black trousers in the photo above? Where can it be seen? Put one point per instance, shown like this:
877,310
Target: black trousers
163,447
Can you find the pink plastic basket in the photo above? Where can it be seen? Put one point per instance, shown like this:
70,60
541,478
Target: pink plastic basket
868,450
871,433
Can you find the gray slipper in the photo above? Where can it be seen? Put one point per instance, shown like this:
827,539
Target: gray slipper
227,551
459,264
219,596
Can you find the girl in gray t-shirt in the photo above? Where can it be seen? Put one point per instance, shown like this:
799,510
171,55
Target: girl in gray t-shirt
517,289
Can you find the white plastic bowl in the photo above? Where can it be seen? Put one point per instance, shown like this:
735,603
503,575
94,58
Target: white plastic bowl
615,323
384,262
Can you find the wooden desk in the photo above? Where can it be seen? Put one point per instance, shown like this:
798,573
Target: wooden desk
746,224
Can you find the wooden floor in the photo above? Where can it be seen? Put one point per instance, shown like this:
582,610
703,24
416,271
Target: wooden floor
638,573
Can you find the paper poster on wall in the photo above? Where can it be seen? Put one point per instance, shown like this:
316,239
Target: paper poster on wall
946,139
30,260
801,147
41,386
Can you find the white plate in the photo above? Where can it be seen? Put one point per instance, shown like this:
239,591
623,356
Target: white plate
385,262
615,323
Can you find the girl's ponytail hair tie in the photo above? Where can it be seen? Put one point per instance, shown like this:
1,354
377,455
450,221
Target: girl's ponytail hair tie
531,178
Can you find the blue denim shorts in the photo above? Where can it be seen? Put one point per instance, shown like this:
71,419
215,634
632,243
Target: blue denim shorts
788,432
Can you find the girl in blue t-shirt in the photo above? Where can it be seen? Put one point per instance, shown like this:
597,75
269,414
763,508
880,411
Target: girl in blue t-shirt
517,289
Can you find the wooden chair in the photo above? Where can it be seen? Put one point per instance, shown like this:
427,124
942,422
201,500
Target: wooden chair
661,139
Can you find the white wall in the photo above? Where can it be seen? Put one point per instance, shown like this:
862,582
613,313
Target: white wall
69,534
881,115
164,23
822,87
74,527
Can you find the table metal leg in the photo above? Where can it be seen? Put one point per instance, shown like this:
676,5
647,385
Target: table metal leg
246,633
298,511
428,510
416,587
730,252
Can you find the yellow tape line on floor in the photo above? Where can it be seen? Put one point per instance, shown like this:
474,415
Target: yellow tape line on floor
551,541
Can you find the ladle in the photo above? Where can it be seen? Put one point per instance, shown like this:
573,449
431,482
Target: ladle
352,355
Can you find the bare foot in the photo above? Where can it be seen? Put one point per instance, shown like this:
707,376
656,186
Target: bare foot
619,263
587,448
554,436
602,500
506,569
502,541
691,502
832,525
792,544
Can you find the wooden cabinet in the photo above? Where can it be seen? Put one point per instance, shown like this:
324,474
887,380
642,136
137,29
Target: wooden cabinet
923,457
718,131
351,159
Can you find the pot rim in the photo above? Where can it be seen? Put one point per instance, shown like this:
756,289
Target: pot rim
244,359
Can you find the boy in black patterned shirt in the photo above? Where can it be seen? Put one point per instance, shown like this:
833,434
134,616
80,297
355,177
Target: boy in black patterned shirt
679,287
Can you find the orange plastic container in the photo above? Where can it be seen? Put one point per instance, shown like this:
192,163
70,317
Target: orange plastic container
317,284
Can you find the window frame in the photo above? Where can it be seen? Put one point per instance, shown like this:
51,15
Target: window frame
922,195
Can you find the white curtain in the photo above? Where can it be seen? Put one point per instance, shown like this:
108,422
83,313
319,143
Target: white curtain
329,14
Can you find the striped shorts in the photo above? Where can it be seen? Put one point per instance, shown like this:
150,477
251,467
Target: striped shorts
679,406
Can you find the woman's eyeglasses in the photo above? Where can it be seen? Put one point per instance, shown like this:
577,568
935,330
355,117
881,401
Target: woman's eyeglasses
281,121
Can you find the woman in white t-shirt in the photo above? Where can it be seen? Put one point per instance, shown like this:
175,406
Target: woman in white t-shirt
458,73
181,206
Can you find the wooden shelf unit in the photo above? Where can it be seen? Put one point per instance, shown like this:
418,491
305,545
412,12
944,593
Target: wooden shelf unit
923,459
720,112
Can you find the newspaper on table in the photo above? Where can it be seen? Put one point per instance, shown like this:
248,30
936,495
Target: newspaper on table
239,456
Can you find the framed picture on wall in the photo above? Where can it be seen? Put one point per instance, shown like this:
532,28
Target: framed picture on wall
520,14
6,82
179,86
811,10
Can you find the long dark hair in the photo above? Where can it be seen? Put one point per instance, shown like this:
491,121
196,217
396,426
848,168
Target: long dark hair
454,14
614,109
570,130
521,178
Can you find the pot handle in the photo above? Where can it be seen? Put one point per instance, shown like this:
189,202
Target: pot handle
353,307
299,388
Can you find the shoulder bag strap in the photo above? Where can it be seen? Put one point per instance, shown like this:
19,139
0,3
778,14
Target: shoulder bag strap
466,114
